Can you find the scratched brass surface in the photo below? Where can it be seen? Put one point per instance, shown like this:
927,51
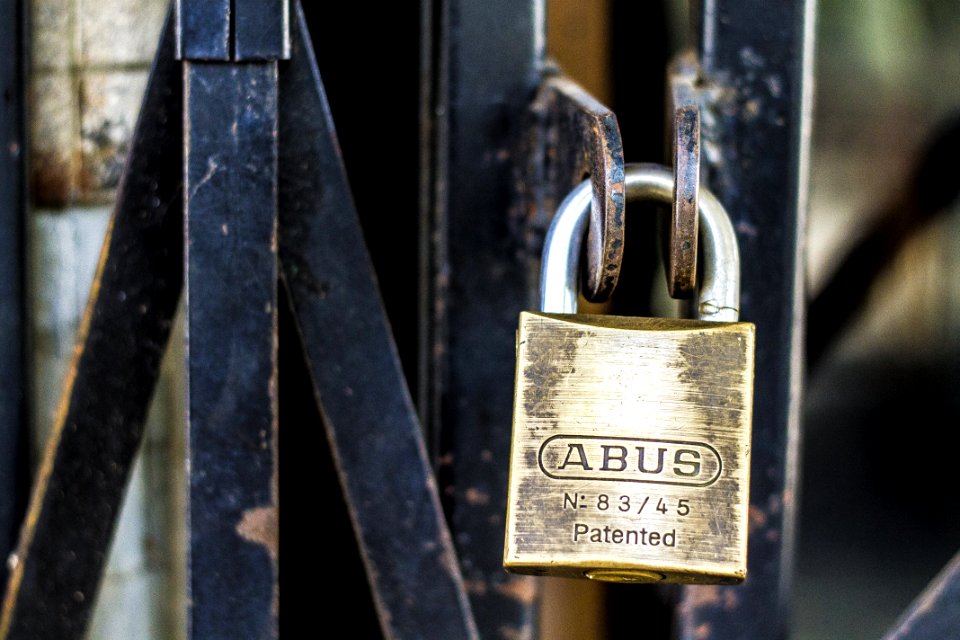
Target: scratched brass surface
630,456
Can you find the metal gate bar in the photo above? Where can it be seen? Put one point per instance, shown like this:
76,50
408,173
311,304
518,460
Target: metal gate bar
231,305
477,278
13,369
757,55
231,78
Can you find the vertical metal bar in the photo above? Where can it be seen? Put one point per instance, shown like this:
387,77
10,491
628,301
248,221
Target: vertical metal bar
261,29
57,567
759,54
231,303
13,370
434,136
203,29
489,57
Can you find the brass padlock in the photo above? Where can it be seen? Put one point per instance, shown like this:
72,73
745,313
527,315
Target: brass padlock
630,457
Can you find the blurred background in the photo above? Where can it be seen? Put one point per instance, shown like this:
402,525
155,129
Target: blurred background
878,518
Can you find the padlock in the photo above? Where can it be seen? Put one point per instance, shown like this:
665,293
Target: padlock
630,454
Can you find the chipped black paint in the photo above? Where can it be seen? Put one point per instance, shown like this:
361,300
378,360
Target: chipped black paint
231,307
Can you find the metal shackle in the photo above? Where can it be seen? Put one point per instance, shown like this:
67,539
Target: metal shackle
718,298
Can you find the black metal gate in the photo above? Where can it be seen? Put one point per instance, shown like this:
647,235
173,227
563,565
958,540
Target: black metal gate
236,186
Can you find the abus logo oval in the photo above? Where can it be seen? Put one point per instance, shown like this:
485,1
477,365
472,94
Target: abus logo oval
678,462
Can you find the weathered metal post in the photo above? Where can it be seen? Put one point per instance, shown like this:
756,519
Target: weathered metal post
756,57
482,63
230,52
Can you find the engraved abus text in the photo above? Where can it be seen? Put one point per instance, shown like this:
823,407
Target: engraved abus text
674,462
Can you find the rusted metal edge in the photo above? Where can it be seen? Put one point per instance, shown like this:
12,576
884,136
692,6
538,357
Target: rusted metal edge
56,569
375,436
684,114
575,136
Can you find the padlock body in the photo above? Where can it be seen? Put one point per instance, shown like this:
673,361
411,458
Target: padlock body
630,456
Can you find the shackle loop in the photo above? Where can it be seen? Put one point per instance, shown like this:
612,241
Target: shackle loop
718,298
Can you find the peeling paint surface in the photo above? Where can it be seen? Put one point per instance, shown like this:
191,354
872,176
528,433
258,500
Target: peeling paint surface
260,526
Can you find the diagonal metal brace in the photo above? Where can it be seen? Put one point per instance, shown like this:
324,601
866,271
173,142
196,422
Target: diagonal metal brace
936,612
77,494
375,435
